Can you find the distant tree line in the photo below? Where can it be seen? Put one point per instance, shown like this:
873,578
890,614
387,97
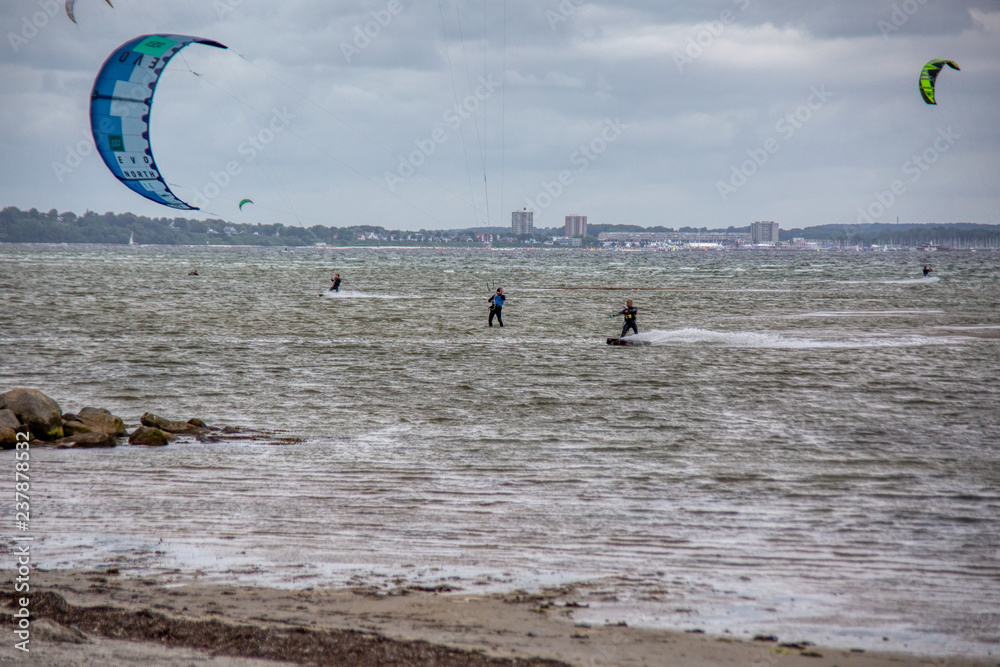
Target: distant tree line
33,226
958,234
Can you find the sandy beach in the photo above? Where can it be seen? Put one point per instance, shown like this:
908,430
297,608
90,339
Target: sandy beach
99,617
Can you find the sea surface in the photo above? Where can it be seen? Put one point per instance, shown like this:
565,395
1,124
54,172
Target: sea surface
810,446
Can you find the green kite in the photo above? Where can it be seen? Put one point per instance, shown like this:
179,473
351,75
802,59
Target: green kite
929,76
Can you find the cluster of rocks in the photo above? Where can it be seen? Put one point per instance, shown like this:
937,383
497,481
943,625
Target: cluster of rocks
30,412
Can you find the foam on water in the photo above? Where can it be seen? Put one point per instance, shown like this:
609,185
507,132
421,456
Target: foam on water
756,339
866,313
926,280
351,294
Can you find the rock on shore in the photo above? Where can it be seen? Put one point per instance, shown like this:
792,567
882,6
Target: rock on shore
151,437
30,412
35,412
93,420
171,426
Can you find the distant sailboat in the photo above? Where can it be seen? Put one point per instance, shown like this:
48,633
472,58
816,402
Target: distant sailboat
131,238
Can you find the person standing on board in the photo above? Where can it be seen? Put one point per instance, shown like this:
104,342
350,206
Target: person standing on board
629,312
496,306
927,270
335,287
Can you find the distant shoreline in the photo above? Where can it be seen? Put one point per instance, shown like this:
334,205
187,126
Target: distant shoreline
17,226
539,247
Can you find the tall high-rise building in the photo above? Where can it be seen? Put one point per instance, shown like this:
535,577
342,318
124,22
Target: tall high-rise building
576,225
764,232
522,222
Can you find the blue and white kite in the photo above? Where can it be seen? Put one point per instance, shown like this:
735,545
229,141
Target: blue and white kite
120,104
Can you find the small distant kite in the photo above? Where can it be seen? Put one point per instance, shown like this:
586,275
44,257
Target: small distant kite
245,201
929,76
69,8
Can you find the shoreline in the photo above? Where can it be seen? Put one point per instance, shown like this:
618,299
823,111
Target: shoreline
159,620
540,246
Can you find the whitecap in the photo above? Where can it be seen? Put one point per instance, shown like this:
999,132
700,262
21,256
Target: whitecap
926,280
350,294
771,340
864,313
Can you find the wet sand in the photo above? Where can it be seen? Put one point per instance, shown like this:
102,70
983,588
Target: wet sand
100,618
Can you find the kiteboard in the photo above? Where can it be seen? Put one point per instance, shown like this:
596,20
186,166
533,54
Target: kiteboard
628,341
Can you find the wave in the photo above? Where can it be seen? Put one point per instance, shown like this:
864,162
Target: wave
350,294
864,313
755,339
926,280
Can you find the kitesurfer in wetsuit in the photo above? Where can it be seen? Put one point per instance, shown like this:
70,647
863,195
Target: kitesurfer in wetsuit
496,306
927,270
629,312
336,283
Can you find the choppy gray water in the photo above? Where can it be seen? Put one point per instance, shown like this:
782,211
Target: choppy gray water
811,445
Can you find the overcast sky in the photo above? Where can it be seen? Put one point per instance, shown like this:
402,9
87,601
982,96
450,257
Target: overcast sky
435,114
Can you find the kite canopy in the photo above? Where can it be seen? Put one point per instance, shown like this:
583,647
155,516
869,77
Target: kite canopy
245,201
120,103
929,76
69,8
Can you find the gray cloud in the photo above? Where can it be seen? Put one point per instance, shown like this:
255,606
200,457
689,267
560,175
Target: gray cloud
378,88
